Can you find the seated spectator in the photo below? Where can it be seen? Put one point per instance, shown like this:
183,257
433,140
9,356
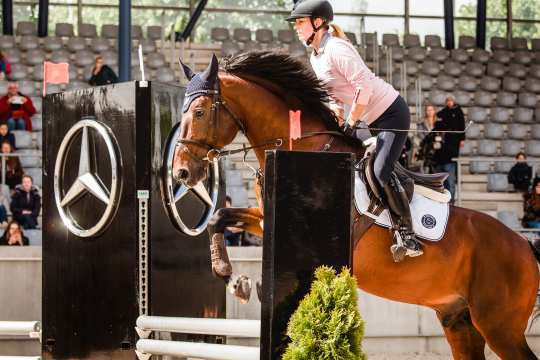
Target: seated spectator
13,235
26,203
521,173
4,205
531,206
102,74
16,109
6,135
14,170
5,66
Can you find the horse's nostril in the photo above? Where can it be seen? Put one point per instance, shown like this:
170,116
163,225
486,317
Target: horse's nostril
183,174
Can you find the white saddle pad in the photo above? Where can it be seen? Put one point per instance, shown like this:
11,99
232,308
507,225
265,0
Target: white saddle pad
429,217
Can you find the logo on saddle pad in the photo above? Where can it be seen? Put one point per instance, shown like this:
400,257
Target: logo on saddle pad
174,191
429,221
88,182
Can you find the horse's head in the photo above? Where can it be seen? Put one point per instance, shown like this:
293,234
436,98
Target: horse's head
206,127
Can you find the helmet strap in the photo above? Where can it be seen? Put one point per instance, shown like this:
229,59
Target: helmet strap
315,29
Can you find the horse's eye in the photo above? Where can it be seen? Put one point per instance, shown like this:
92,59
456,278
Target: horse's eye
199,113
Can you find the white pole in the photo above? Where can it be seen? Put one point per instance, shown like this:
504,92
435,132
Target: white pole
19,328
20,358
197,350
226,327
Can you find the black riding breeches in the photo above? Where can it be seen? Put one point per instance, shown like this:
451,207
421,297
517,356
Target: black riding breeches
390,143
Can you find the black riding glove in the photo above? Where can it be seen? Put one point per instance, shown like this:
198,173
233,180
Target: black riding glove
348,129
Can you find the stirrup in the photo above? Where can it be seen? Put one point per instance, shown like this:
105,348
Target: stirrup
412,245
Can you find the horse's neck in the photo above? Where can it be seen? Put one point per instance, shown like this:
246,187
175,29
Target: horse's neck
266,117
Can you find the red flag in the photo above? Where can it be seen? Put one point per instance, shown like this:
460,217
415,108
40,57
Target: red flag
295,126
55,74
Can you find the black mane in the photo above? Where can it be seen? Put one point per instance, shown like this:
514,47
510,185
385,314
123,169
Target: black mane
291,76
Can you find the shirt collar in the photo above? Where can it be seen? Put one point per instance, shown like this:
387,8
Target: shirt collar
323,43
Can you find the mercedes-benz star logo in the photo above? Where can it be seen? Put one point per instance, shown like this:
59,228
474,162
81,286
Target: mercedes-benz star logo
87,182
174,191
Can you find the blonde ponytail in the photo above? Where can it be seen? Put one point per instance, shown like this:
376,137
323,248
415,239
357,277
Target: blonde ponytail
337,31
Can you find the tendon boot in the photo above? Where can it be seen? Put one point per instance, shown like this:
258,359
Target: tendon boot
400,213
221,265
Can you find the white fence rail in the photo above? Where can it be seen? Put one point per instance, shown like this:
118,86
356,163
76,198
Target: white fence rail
198,350
31,329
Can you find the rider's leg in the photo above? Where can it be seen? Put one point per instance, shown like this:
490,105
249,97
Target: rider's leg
389,147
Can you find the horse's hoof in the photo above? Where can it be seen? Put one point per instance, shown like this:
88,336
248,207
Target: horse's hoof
240,287
221,265
258,287
398,252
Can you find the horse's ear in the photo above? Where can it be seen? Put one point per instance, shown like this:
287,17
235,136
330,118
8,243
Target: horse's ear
187,70
212,70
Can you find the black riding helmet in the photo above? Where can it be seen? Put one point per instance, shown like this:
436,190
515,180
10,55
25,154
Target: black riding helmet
312,9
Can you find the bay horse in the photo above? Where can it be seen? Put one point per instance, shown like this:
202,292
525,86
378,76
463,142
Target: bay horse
481,279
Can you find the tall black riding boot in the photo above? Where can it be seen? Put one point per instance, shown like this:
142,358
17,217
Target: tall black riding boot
398,205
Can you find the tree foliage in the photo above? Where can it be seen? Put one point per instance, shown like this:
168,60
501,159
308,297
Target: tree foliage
327,324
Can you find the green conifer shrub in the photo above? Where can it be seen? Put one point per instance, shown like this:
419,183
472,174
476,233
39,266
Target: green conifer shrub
327,324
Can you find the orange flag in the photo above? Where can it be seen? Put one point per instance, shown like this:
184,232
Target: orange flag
54,74
295,126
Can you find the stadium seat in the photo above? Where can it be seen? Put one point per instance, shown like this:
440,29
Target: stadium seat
84,58
475,69
35,237
432,41
438,54
497,182
499,43
109,31
502,56
481,56
18,72
523,57
491,84
30,161
37,101
496,70
533,148
76,44
137,32
390,40
87,31
110,57
493,131
23,139
519,44
511,84
7,42
417,54
503,167
286,36
148,46
477,114
36,175
252,46
532,85
535,131
437,97
34,57
511,147
27,87
28,42
229,48
468,148
509,218
52,43
535,44
483,98
64,30
26,28
459,55
467,42
487,147
411,41
3,86
518,131
500,115
523,115
479,167
264,36
534,71
445,82
242,35
473,131
61,56
463,98
467,83
528,100
452,68
517,70
431,68
99,45
153,32
506,99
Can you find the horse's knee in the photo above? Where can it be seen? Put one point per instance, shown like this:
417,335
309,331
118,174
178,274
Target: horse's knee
217,222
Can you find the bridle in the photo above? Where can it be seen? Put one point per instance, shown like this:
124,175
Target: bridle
215,152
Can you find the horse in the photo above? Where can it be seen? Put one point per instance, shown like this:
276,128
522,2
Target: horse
481,278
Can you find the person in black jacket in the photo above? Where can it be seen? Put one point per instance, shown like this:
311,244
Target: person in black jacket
451,119
102,74
26,203
521,173
14,236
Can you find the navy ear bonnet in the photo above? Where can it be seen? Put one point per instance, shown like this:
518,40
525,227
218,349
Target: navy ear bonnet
201,84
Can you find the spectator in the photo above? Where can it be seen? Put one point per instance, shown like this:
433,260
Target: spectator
14,170
521,173
233,235
6,135
451,119
427,125
16,109
13,235
531,206
5,66
102,74
26,203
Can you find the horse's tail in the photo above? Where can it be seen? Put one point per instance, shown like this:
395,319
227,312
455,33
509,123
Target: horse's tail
535,247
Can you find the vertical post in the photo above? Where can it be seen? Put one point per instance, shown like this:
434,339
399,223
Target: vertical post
124,41
43,18
79,15
7,17
481,13
3,170
509,21
458,182
407,17
449,24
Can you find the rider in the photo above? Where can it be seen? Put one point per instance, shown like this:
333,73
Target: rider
373,101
